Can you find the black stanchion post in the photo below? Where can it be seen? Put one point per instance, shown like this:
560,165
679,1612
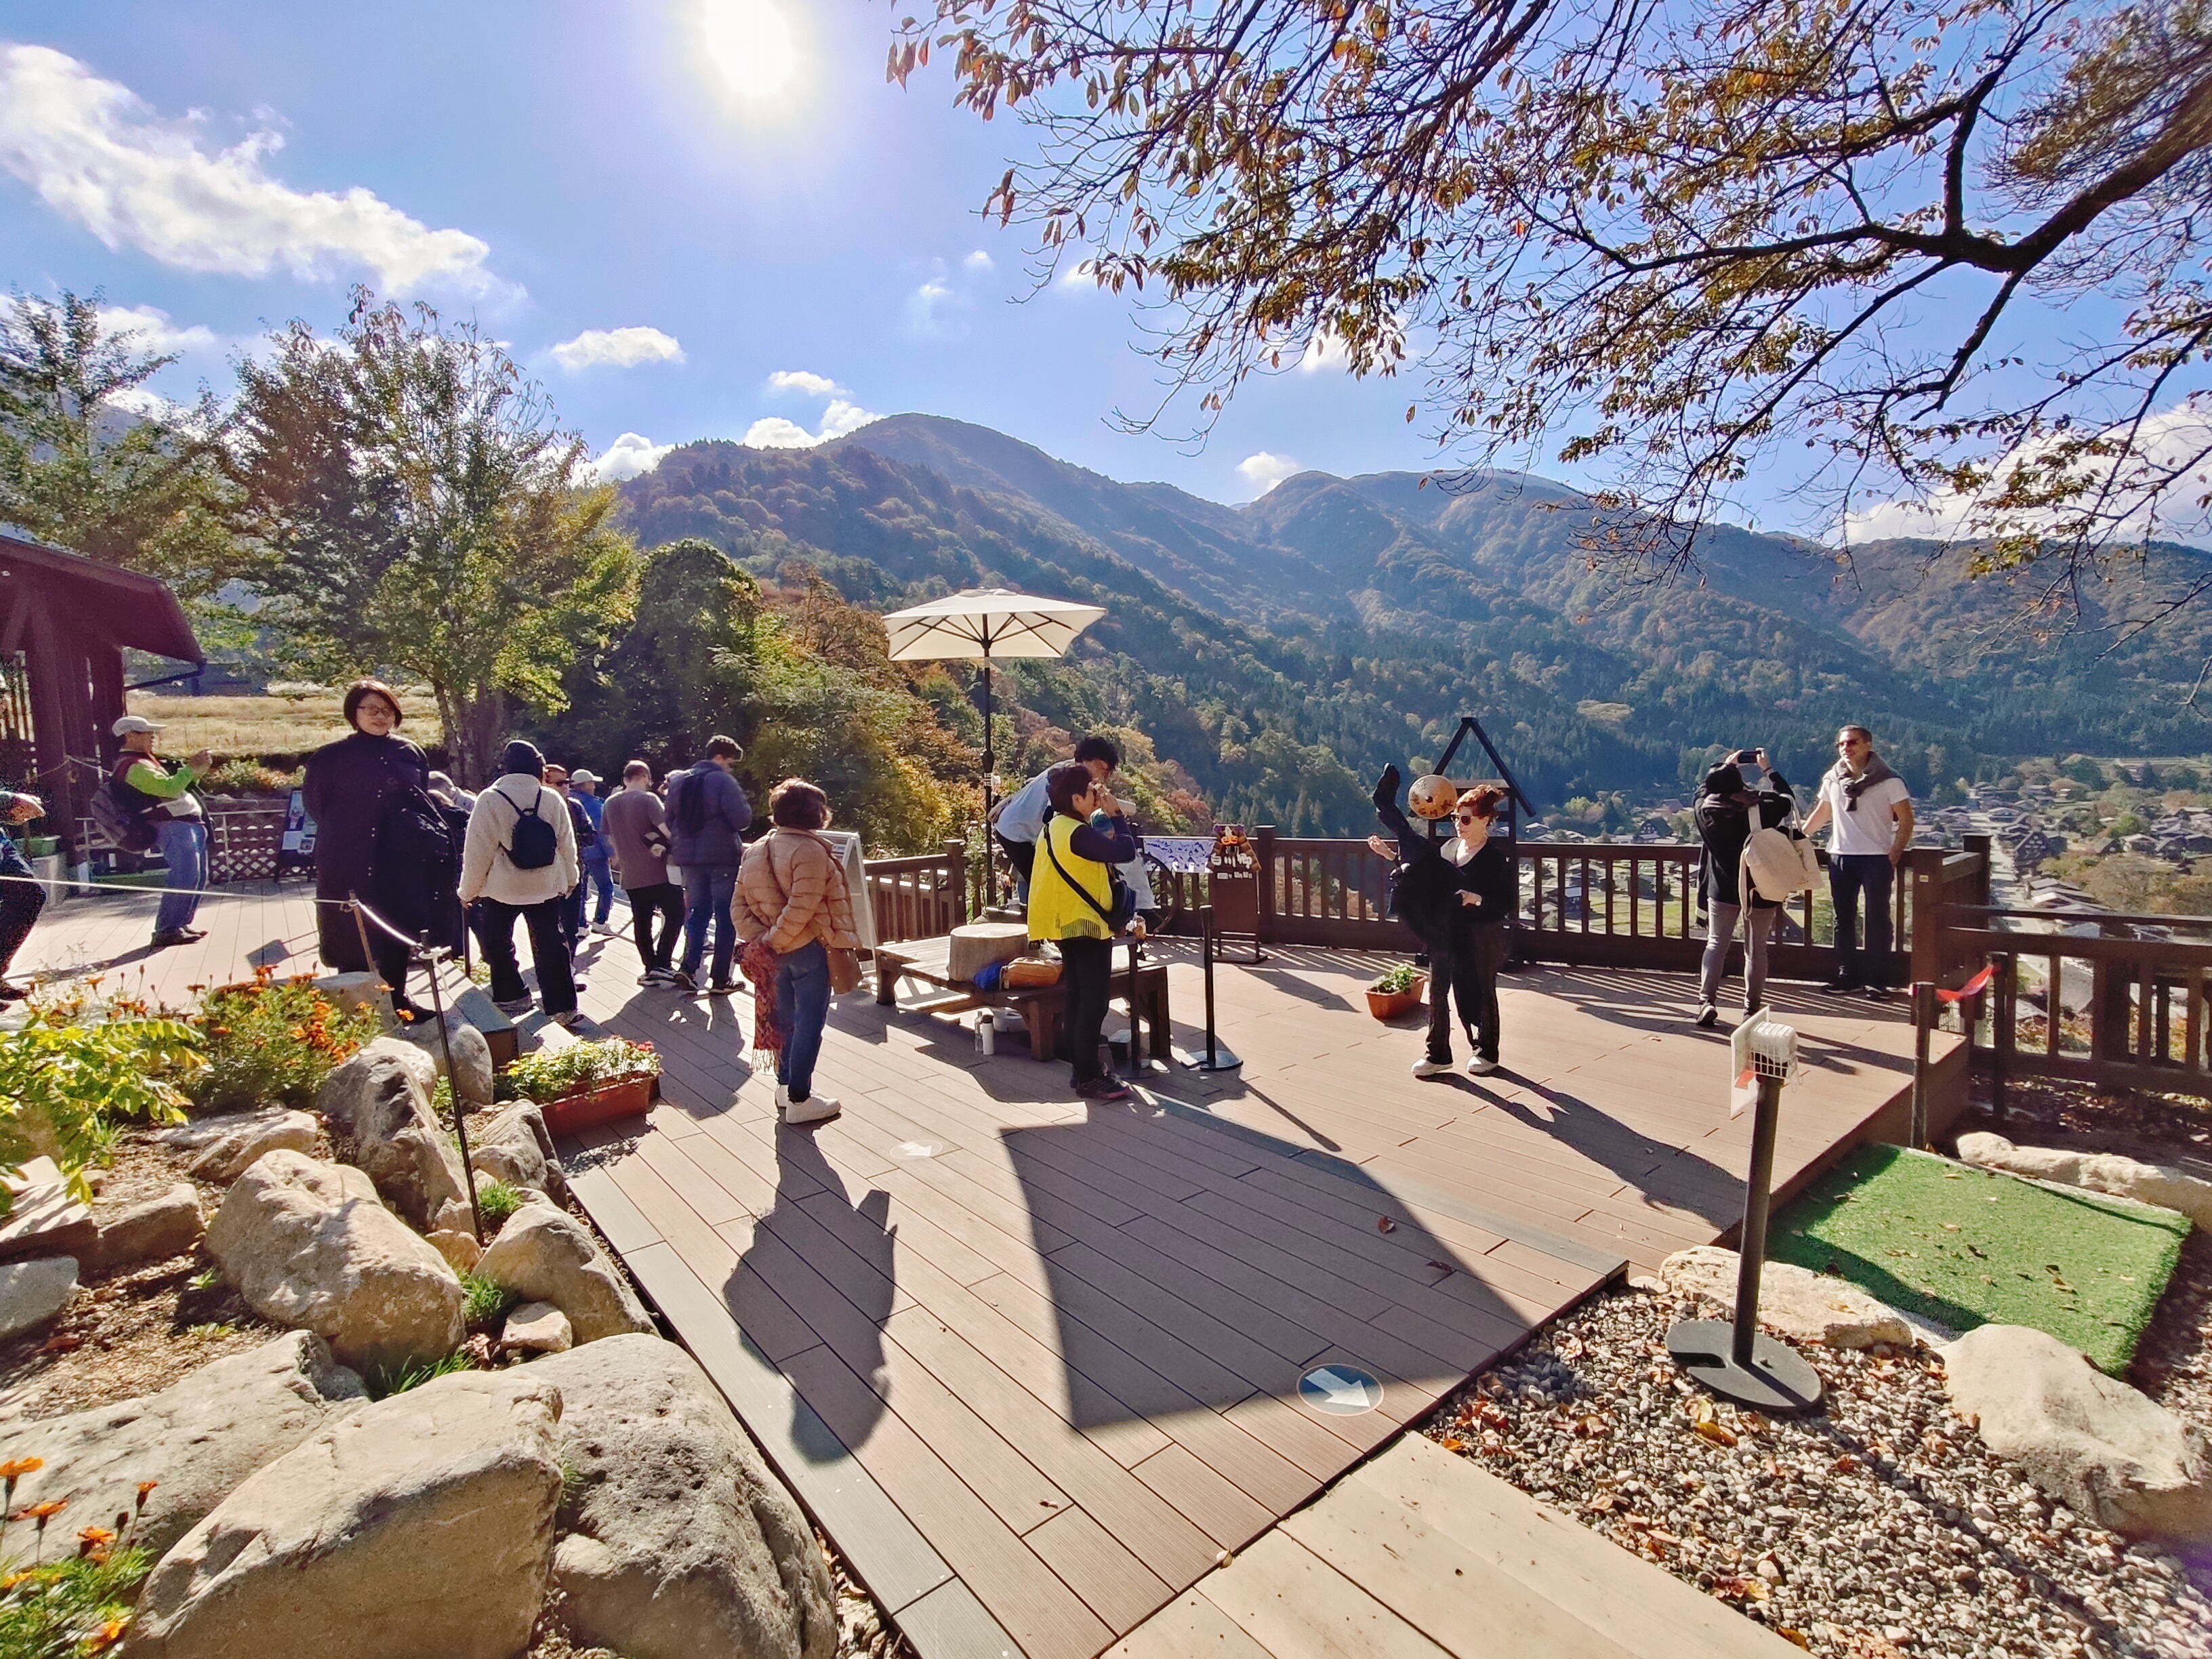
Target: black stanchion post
1215,1058
1730,1358
1923,1023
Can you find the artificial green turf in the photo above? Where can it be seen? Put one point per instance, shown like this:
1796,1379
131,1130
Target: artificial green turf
1968,1247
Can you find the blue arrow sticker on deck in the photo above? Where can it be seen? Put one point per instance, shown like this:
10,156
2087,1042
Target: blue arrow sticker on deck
1340,1390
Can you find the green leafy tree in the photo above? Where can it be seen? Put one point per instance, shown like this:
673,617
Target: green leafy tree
92,462
426,516
1680,241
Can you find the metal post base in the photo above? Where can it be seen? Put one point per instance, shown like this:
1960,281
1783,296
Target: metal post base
1777,1382
1195,1059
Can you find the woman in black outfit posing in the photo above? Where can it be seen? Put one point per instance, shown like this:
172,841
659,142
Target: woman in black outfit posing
1457,896
347,785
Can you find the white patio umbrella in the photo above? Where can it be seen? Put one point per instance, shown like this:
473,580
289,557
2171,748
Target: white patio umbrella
982,623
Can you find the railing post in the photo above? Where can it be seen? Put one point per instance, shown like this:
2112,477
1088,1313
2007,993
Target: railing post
955,854
1926,865
1979,845
1923,1023
1263,852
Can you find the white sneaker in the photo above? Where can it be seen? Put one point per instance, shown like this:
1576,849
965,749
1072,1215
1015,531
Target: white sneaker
782,1100
815,1109
1426,1067
1478,1067
606,930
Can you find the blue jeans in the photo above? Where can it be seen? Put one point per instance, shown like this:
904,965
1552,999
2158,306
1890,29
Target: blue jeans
708,890
802,1005
597,875
183,845
1862,961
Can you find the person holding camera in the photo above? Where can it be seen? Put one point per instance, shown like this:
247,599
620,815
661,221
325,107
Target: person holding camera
1728,811
1075,902
1457,896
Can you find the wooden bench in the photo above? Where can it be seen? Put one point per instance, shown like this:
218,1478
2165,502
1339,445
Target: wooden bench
1043,1008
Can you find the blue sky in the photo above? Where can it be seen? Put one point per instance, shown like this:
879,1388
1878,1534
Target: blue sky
675,260
563,168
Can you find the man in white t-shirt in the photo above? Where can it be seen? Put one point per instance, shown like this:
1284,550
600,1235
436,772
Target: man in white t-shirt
1870,811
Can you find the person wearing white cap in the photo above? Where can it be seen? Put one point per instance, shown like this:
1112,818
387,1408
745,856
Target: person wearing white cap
160,792
598,873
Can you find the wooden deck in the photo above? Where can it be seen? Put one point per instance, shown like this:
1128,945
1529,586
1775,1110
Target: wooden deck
1034,1365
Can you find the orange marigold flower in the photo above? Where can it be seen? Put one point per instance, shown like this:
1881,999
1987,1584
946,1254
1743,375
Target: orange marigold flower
44,1512
106,1637
17,1468
145,1490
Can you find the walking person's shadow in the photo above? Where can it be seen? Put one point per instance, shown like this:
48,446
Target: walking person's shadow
815,1285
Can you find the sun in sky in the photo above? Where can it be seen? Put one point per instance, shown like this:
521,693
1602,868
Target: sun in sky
751,43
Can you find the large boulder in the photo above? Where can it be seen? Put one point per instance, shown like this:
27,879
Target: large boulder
1803,1305
152,1229
220,1148
2098,1172
33,1292
516,1147
310,1246
544,1254
418,1527
471,1055
2085,1438
196,1441
381,1098
677,1540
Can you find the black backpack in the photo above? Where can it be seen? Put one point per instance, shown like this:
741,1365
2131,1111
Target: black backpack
532,843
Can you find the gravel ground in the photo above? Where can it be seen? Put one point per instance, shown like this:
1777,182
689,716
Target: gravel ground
1881,1526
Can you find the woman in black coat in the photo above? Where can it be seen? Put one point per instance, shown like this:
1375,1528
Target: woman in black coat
347,785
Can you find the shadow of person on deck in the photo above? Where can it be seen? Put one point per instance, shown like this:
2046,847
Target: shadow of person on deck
815,1284
1659,1172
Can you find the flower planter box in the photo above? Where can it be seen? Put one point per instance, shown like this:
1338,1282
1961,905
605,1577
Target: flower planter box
1390,1005
626,1097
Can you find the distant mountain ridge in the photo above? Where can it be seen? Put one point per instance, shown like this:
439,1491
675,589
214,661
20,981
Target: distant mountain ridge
1282,649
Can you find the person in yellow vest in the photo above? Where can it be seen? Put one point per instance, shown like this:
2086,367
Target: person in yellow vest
1071,903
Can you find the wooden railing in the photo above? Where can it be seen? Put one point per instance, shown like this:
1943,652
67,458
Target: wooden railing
1615,904
2112,1009
920,896
244,836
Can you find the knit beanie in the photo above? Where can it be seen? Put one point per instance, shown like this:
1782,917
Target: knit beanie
1722,780
521,756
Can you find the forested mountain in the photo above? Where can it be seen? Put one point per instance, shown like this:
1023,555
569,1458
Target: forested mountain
1281,652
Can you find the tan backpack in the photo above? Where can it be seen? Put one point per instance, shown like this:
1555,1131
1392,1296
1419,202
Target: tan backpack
1779,864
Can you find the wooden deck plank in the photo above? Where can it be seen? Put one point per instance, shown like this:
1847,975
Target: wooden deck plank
1189,1627
1046,1618
1094,1564
1292,1602
1216,1506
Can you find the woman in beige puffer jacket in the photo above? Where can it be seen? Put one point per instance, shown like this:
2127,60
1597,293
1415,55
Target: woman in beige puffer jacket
792,898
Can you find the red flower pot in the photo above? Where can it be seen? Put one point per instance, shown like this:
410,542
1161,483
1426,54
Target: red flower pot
625,1097
1390,1005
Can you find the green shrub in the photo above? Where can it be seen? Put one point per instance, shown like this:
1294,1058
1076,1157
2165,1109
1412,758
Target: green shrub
495,1201
549,1073
1404,978
82,1070
241,776
382,1385
62,1609
487,1302
274,1041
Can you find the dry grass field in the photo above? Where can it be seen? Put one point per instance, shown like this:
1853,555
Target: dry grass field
244,727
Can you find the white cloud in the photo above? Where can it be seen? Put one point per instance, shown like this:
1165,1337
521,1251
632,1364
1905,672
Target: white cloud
977,263
154,331
628,457
2146,497
148,406
1082,274
99,155
926,302
1324,350
617,347
798,380
1264,471
774,432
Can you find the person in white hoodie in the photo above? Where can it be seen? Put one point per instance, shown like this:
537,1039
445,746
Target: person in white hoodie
520,859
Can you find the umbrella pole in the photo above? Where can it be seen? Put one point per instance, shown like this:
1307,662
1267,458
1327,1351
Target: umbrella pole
988,766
